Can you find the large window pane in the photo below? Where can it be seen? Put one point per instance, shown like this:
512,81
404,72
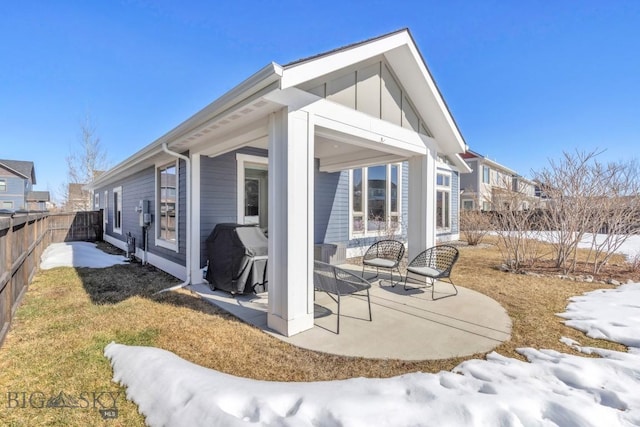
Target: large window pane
394,188
376,197
357,190
251,197
442,209
167,223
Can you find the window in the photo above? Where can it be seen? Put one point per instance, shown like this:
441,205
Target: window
467,205
96,201
3,185
253,202
117,210
486,175
443,201
486,206
375,199
167,206
7,205
105,211
357,202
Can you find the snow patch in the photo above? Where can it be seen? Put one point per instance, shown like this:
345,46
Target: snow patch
77,254
551,389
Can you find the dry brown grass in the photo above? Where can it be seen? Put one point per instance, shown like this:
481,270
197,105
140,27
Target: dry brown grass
69,315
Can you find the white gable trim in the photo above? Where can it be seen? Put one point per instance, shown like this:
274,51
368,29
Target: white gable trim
296,74
407,63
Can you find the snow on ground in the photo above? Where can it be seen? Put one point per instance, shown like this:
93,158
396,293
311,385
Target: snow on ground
551,389
630,248
77,254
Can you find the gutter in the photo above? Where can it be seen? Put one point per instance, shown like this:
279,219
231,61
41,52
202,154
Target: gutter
187,161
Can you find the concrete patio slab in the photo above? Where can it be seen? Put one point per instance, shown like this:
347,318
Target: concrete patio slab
407,325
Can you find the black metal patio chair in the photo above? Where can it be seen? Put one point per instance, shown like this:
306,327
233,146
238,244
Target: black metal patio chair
434,264
337,282
385,254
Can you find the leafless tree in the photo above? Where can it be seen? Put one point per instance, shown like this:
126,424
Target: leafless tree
514,211
587,197
617,210
474,225
84,162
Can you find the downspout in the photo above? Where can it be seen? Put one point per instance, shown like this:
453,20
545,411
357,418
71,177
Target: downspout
187,161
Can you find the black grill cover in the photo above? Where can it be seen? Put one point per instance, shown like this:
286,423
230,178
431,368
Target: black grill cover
237,256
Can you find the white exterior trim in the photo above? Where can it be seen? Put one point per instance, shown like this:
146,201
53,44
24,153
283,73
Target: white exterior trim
365,177
118,191
291,219
156,209
174,269
241,159
105,212
422,197
196,274
445,189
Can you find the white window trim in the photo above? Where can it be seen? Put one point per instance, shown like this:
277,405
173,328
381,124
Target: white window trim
4,186
118,191
241,159
96,201
447,189
158,240
365,219
105,211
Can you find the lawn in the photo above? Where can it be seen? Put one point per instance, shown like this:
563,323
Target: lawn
57,339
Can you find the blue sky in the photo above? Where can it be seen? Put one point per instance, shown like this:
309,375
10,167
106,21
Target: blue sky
524,80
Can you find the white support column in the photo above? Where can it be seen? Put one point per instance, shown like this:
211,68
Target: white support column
196,274
422,199
291,181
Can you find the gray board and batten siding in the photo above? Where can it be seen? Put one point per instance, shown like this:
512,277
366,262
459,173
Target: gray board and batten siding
142,186
218,188
218,204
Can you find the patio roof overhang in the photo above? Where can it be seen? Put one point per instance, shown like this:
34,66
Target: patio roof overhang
346,138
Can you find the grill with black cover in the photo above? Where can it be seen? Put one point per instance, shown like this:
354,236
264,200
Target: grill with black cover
237,255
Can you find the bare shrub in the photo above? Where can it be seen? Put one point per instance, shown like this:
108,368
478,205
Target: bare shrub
474,226
513,217
587,198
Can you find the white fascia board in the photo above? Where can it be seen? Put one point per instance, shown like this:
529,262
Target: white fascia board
496,165
296,74
264,77
293,98
352,123
387,136
460,165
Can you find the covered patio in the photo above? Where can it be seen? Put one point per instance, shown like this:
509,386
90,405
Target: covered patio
406,325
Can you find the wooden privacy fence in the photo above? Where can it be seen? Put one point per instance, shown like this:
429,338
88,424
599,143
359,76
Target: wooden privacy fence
75,226
23,238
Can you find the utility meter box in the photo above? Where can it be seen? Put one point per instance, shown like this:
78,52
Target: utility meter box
144,212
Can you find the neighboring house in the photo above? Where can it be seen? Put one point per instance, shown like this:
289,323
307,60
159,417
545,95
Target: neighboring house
78,199
345,147
38,200
17,178
491,185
